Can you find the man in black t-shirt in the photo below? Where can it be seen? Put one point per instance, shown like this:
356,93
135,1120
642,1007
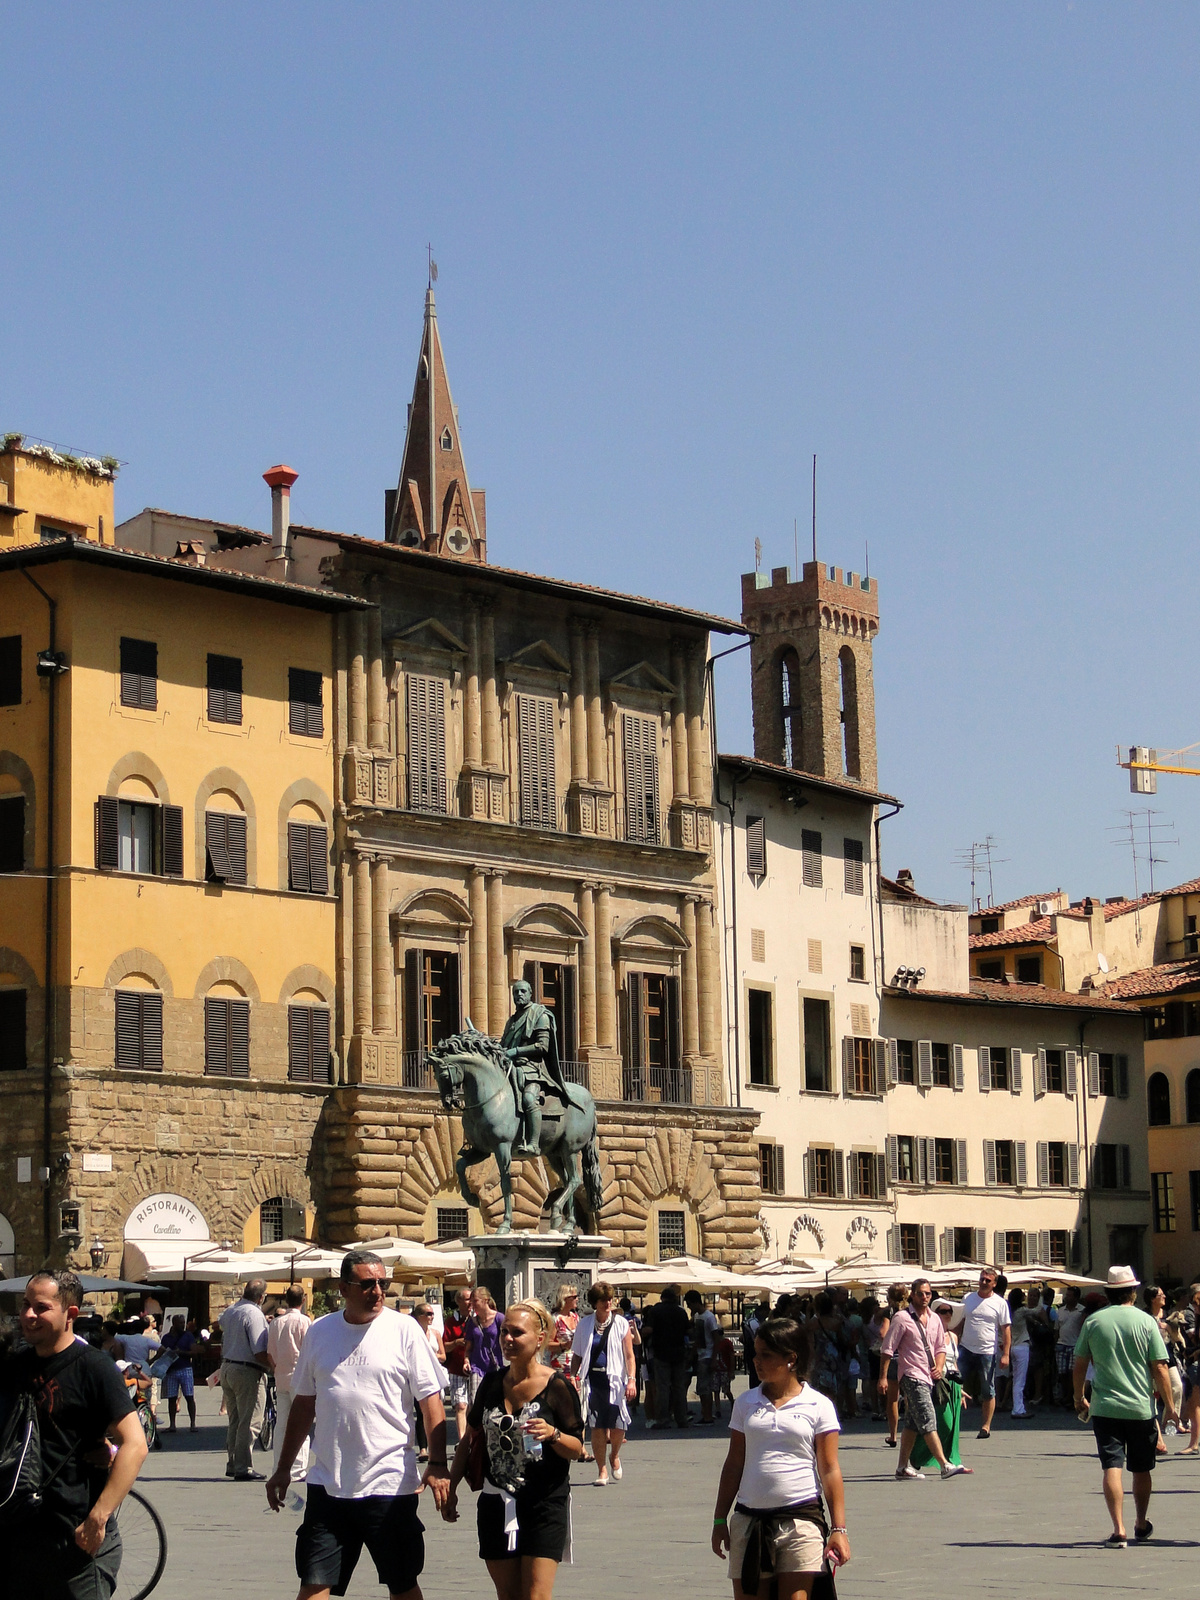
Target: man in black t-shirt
71,1548
669,1324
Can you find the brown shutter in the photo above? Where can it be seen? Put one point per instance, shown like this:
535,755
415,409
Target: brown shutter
319,1025
756,847
129,1030
152,1031
810,858
299,1044
216,846
640,751
239,1038
304,703
235,845
634,984
108,832
425,703
318,859
535,740
139,674
216,1038
299,877
414,1038
453,1008
852,852
674,1052
224,689
172,841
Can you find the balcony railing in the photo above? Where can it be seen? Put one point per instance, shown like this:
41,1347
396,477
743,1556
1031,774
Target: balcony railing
576,1072
657,1085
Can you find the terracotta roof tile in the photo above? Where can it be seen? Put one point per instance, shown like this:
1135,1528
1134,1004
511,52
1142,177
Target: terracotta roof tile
1039,931
985,992
1015,905
1171,977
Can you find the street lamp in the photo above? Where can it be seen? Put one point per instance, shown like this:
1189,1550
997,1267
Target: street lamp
98,1251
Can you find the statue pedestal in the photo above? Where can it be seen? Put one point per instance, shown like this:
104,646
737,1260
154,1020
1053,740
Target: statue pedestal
523,1266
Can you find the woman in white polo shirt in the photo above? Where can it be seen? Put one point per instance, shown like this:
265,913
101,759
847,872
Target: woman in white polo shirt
783,1442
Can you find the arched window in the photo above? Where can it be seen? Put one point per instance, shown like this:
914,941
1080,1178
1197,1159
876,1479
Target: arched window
281,1218
1158,1096
447,439
849,672
789,691
1191,1090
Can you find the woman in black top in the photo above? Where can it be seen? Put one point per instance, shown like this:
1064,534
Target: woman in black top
533,1430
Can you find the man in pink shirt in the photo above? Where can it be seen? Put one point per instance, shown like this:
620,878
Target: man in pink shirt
285,1335
917,1340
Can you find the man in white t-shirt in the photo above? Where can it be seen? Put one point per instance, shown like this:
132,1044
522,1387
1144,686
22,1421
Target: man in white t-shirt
286,1333
359,1378
983,1344
706,1330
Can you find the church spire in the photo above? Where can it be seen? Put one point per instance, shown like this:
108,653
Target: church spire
433,507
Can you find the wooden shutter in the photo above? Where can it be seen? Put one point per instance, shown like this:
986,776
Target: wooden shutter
989,1161
299,877
808,1173
852,863
235,845
960,1161
1043,1164
1029,1248
810,858
921,1160
414,1033
535,739
1093,1074
674,1043
1073,1165
425,702
639,746
925,1063
108,833
216,846
979,1243
1014,1071
318,858
1039,1072
239,1038
881,1177
1022,1175
946,1247
956,1051
929,1160
985,1069
216,1038
322,1064
893,1244
1043,1245
1121,1064
152,1031
139,674
893,1062
878,1066
892,1158
129,1030
998,1248
847,1065
224,689
634,984
756,847
839,1174
305,713
172,841
928,1245
1070,1067
300,1044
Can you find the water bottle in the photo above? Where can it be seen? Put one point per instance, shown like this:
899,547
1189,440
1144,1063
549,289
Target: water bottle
533,1447
293,1501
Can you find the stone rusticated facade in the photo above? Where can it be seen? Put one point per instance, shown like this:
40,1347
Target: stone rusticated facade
389,1155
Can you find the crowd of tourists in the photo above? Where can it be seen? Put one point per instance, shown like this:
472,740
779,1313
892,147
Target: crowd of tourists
363,1398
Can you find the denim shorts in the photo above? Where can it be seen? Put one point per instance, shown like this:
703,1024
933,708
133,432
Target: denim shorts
972,1364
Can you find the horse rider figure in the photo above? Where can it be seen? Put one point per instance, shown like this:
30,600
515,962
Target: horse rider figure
530,1041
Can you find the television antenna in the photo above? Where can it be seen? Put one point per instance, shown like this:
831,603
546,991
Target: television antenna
980,859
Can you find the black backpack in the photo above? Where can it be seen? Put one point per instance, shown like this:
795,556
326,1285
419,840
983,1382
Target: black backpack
20,1458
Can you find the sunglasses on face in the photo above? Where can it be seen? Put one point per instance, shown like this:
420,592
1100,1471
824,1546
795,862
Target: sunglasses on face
368,1285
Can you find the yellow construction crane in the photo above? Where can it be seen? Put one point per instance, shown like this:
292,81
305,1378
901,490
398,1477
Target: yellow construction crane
1145,764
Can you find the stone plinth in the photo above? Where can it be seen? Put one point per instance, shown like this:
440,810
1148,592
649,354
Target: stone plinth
523,1266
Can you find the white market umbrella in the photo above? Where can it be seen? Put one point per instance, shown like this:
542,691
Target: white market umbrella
683,1272
196,1263
414,1260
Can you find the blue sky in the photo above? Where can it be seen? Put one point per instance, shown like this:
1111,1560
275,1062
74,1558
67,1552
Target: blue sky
951,249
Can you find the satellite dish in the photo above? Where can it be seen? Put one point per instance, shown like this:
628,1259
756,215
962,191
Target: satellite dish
1102,961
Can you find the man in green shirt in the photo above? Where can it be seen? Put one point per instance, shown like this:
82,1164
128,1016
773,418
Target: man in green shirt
1130,1361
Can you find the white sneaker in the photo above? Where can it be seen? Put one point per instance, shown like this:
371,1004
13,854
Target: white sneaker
950,1471
910,1472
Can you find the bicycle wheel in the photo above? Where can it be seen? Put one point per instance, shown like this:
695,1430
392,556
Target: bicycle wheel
266,1434
143,1547
148,1421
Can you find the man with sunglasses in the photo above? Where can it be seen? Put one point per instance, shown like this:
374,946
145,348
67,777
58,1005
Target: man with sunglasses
360,1377
984,1343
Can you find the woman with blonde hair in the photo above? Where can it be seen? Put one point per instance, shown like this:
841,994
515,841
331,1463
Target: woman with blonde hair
532,1429
566,1320
602,1355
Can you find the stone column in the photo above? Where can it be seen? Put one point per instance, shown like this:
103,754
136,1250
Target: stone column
383,967
587,967
698,761
357,679
597,749
679,730
377,720
491,699
498,1006
363,1016
472,711
478,946
579,725
691,1021
707,968
606,1031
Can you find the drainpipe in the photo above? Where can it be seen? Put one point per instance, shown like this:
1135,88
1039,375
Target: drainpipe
50,665
896,807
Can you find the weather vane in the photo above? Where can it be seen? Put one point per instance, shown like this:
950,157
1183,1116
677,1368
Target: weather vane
432,265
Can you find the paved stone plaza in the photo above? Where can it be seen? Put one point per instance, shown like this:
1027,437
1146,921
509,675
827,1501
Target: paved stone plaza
1027,1522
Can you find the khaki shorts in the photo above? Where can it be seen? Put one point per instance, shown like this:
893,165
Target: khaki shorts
799,1548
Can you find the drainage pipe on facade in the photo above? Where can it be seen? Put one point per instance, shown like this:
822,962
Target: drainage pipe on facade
896,806
49,995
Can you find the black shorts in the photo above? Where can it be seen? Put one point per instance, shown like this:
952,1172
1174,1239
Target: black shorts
330,1540
1128,1441
542,1526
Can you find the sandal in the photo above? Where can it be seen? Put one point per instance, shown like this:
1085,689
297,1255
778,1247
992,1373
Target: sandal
1192,1450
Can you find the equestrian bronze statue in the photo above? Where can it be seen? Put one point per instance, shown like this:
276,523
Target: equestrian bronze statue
516,1104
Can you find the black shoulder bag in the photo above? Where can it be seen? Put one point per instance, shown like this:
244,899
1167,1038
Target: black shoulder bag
941,1386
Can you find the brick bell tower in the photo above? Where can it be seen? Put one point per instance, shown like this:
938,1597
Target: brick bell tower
433,507
812,681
